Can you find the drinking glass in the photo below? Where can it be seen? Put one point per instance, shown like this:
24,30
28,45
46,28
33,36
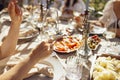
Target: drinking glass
110,32
74,68
49,25
109,35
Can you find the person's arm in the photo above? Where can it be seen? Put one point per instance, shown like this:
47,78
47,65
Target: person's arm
106,13
19,71
9,44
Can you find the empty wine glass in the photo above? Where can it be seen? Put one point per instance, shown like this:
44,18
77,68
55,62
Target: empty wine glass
49,24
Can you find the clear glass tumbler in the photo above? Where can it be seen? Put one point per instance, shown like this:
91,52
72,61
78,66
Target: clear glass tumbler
74,68
110,32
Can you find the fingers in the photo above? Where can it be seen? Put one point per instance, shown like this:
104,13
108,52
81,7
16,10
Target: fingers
51,47
14,8
49,44
11,8
50,41
18,10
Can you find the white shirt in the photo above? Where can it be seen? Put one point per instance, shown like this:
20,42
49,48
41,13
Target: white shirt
79,6
109,16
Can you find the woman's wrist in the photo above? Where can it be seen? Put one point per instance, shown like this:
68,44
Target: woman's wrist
15,23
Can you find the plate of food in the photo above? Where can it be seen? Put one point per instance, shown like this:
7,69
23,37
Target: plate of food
106,67
93,42
67,44
97,30
27,35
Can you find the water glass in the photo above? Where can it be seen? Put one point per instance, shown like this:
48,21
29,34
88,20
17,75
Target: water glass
110,32
74,68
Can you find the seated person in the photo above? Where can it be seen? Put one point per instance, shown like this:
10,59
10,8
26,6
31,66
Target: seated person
7,48
70,6
111,15
57,3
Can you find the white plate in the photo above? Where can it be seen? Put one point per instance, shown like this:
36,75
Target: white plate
78,44
98,30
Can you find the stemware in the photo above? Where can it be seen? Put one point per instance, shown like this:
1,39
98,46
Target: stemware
49,24
74,68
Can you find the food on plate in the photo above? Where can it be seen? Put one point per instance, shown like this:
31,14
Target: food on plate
106,68
93,42
67,44
27,33
105,75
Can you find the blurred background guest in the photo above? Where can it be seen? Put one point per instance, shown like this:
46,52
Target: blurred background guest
58,3
111,15
74,5
71,7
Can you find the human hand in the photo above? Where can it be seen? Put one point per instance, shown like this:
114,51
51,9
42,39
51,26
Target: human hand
15,12
43,50
118,33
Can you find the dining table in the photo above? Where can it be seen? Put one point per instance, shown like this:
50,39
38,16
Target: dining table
57,60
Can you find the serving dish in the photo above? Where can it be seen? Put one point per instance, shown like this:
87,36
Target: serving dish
67,44
93,42
26,35
105,67
98,30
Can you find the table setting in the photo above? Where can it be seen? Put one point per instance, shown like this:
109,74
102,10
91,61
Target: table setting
75,53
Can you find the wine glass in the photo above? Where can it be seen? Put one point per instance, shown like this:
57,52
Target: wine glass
49,24
74,68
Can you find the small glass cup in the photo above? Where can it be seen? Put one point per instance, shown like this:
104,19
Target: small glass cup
110,32
74,68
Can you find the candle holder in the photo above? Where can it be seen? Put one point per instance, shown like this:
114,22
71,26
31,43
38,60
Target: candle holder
86,34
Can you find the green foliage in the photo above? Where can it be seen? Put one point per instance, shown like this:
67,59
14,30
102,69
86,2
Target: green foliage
97,6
